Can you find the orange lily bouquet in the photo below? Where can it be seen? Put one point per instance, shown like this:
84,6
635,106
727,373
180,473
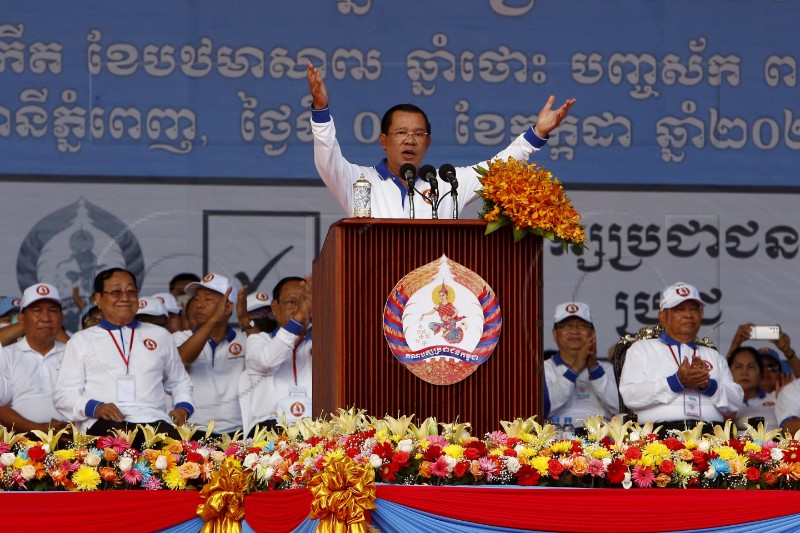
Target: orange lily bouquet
532,200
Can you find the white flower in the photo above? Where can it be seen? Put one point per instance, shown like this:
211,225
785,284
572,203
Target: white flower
634,436
451,462
92,459
405,445
46,448
264,460
512,464
268,473
519,448
606,462
710,473
125,463
161,462
626,482
275,459
7,459
375,461
775,453
28,471
249,460
703,445
203,452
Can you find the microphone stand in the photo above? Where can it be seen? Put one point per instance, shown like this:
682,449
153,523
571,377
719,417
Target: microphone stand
411,213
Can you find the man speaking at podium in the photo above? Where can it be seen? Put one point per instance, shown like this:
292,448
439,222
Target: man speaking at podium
405,137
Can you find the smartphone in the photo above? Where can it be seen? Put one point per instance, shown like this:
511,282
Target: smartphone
765,332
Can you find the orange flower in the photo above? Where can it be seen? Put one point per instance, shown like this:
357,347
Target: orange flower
475,469
108,473
189,471
769,478
662,480
109,454
579,466
425,469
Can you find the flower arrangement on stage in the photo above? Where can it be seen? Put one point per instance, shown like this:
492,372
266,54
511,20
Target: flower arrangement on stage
528,197
395,450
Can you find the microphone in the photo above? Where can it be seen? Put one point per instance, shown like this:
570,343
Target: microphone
409,174
428,173
448,174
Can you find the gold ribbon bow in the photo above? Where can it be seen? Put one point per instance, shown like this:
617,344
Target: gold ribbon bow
223,509
342,492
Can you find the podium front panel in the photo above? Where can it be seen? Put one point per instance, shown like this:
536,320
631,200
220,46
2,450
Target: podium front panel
361,262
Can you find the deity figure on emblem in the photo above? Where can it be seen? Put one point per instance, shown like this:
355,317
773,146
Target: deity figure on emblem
452,331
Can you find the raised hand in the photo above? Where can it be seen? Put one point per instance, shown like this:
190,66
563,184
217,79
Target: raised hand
549,118
319,93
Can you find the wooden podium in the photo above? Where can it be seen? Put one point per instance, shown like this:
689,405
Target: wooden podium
361,262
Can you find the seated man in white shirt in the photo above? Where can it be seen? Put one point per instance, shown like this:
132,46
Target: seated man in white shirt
673,381
578,385
214,353
117,374
29,367
277,379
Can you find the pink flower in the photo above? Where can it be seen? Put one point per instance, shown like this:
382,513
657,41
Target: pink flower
439,468
437,440
4,447
153,483
132,476
595,468
643,477
117,444
489,466
498,438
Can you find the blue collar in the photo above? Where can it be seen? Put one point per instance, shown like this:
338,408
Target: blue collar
669,341
760,393
386,174
230,334
557,359
105,324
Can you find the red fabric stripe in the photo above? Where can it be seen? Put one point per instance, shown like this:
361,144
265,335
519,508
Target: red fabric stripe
278,510
130,511
601,510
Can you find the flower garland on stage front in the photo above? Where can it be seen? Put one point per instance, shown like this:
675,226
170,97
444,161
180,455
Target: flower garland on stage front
341,457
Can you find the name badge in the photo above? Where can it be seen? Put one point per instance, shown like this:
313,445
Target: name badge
296,406
582,389
691,405
126,389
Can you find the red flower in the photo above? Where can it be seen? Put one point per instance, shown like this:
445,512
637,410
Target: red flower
576,446
554,468
792,455
510,452
693,483
401,458
673,444
513,441
667,466
253,450
753,474
432,453
527,476
737,445
617,471
194,457
460,468
700,460
36,453
352,452
384,450
474,450
606,442
313,441
633,453
389,471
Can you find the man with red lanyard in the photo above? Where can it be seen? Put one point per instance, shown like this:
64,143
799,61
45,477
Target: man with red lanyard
277,378
117,374
672,381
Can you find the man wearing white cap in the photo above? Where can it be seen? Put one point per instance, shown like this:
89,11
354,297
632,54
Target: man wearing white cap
578,385
118,373
258,315
152,311
214,354
29,367
173,308
277,381
672,380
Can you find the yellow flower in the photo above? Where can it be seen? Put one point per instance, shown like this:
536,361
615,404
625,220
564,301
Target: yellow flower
726,452
561,446
527,453
233,462
751,446
173,479
690,444
86,478
19,462
454,450
600,452
65,455
540,464
336,453
656,452
684,469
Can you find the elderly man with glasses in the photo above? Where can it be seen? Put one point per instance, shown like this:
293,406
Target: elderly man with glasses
118,373
405,138
578,385
277,378
672,380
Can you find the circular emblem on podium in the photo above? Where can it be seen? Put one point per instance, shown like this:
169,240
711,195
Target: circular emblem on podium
442,321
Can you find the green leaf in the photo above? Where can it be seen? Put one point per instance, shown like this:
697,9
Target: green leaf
549,235
565,245
496,224
482,171
536,231
578,249
519,234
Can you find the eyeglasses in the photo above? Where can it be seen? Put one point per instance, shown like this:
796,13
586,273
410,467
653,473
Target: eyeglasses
773,368
403,134
574,325
117,293
290,304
